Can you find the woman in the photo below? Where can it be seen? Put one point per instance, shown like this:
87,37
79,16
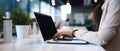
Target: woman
108,34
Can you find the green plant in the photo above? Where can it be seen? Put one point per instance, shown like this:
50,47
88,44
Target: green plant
33,20
19,17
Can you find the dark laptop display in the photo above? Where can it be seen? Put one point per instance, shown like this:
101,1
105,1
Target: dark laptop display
46,25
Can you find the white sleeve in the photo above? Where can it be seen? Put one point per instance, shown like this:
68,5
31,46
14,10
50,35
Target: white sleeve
108,28
89,36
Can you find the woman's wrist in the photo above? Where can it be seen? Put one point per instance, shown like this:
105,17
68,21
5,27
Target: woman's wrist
74,32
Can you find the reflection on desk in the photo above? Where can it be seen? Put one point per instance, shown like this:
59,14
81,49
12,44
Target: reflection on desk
34,43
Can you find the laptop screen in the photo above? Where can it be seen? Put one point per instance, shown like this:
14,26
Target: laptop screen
46,25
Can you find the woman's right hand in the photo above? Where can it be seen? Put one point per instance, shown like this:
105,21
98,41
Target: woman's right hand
67,33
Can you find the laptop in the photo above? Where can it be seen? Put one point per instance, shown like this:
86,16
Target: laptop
48,30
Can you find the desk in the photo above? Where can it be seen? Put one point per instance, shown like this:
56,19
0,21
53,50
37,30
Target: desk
33,43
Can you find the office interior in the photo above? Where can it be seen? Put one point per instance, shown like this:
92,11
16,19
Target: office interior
65,14
74,12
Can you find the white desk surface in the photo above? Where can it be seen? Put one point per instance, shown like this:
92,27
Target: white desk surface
33,43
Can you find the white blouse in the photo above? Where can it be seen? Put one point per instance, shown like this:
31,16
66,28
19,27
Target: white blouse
109,25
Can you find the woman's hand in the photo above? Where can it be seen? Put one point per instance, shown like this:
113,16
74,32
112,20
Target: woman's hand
67,33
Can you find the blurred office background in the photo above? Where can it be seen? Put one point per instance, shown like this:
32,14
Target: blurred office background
76,12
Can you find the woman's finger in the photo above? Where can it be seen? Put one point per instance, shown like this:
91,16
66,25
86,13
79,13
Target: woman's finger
56,35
